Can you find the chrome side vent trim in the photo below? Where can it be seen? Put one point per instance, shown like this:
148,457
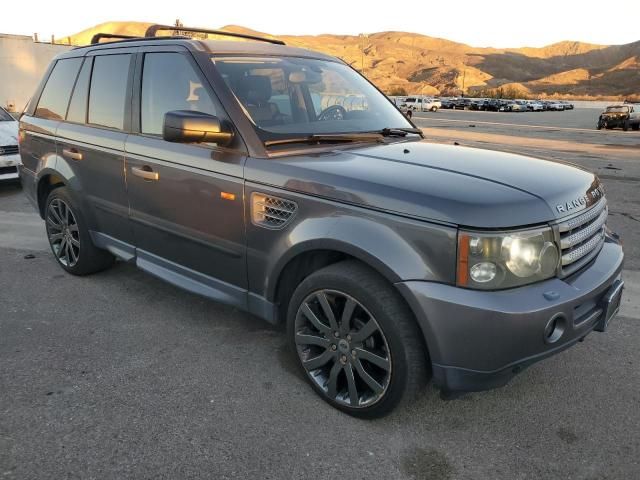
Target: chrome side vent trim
271,212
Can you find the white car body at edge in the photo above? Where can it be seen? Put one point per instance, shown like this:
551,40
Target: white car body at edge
8,138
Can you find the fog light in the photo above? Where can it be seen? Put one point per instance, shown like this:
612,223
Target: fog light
483,272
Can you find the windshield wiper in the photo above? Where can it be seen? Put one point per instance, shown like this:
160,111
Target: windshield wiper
329,138
397,132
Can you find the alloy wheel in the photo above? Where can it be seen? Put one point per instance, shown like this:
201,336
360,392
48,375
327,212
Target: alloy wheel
63,232
342,348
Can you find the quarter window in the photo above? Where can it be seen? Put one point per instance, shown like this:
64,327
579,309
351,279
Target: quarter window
78,106
55,96
109,90
169,82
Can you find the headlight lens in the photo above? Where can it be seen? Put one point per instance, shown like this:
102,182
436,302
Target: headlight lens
499,260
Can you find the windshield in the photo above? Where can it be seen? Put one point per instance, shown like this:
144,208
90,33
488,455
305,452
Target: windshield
292,97
617,109
5,117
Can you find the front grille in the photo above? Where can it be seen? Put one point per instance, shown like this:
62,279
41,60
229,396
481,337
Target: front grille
8,149
5,170
582,237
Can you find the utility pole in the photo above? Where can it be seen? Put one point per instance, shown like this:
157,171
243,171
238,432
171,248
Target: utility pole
464,76
363,37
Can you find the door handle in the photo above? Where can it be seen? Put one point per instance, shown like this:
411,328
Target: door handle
146,173
72,153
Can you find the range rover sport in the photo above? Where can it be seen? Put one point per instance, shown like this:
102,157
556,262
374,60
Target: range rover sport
280,181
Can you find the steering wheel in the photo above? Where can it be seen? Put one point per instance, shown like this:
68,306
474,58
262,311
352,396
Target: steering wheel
334,112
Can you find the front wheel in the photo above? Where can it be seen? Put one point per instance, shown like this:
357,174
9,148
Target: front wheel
356,340
69,237
625,125
434,109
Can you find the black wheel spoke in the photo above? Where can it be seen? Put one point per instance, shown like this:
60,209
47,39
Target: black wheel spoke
62,247
333,380
328,312
307,339
377,360
54,237
347,313
319,361
315,321
368,379
354,399
365,332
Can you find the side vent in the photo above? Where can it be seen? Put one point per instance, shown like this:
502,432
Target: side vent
271,212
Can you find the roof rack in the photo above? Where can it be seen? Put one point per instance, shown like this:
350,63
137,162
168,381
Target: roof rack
154,29
99,36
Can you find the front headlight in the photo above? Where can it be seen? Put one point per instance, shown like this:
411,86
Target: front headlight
498,260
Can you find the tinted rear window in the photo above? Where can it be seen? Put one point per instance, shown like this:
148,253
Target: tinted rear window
109,90
55,96
5,117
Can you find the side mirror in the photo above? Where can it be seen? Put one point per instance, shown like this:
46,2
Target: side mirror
187,126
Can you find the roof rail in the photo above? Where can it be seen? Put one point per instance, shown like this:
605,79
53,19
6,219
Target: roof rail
154,29
99,36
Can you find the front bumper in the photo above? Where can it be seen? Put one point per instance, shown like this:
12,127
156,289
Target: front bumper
9,167
479,340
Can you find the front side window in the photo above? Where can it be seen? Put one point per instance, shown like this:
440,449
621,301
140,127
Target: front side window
291,97
108,91
169,82
55,96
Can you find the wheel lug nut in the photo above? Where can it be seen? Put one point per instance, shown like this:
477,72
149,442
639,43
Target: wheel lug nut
333,347
343,359
353,353
336,334
349,337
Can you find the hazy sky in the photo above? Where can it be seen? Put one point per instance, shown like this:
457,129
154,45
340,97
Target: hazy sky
484,23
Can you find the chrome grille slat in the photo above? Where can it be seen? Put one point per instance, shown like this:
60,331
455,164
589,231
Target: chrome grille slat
584,249
8,150
582,236
585,233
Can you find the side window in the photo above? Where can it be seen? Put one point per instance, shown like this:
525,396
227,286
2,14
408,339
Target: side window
108,91
55,96
78,106
169,82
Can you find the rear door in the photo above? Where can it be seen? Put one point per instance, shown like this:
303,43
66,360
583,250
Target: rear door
91,143
186,200
39,123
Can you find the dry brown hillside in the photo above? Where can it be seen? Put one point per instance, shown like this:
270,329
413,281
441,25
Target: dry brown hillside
414,63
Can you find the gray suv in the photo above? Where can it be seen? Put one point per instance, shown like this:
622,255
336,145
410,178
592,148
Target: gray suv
280,181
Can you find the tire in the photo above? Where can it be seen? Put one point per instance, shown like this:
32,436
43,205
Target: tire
625,125
599,126
69,237
635,127
328,348
434,109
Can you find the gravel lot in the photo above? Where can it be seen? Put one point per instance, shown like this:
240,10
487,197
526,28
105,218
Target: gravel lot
119,375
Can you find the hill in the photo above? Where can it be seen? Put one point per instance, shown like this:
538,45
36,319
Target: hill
415,63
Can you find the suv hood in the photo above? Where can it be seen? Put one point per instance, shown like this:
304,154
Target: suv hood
8,133
458,185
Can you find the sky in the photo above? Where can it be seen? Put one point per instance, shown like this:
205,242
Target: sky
480,23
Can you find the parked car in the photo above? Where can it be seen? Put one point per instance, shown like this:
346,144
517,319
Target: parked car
388,258
556,106
491,105
9,156
567,105
506,105
462,104
420,104
624,116
535,106
447,103
519,106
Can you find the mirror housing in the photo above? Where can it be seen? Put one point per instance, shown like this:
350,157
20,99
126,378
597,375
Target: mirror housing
187,126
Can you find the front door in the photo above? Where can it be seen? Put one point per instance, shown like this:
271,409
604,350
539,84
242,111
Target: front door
186,200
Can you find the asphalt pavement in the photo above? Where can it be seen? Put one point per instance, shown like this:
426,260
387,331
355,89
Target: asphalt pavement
119,375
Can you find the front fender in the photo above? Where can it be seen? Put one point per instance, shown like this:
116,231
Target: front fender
398,248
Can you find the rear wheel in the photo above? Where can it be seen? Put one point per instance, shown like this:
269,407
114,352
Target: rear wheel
625,125
356,340
434,109
69,237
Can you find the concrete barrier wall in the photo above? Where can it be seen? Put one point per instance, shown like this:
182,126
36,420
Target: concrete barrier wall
22,63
